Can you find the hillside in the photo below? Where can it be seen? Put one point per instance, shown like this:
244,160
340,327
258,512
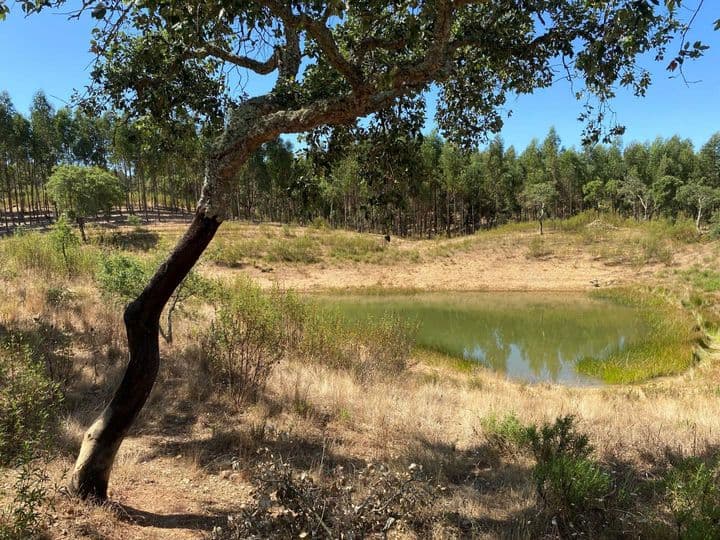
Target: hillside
441,436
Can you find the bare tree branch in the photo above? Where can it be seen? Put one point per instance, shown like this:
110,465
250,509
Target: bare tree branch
259,67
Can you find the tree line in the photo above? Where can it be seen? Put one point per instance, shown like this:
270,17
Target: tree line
156,167
394,182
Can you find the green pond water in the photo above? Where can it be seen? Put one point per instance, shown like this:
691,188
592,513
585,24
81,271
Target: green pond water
528,336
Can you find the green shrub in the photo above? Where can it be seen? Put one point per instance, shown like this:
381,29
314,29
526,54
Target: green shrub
693,494
573,488
134,220
233,253
578,222
537,249
386,346
58,296
682,229
244,342
28,400
29,403
506,434
43,254
354,247
122,276
326,339
65,241
320,223
715,224
139,239
25,515
653,249
369,349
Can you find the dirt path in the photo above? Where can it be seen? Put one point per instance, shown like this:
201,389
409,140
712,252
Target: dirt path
156,494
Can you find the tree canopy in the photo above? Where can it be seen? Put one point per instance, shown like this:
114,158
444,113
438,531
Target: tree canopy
83,191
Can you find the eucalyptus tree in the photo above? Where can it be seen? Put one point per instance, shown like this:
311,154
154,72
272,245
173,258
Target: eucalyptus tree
7,111
331,62
700,197
537,198
708,161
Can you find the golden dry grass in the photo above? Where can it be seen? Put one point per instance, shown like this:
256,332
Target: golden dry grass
188,463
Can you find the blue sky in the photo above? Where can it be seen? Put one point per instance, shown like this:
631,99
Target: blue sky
49,52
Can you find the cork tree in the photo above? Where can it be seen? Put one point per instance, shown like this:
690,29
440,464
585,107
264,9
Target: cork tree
329,63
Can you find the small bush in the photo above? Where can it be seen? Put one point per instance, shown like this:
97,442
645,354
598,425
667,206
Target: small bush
681,229
387,343
507,435
28,406
374,348
320,223
715,224
572,488
28,400
369,504
65,241
244,342
653,249
693,494
134,220
139,239
122,276
25,515
537,249
234,253
43,254
355,247
58,296
297,249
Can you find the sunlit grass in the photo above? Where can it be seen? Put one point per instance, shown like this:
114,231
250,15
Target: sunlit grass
666,350
704,279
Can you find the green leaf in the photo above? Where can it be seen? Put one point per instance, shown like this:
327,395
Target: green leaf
99,11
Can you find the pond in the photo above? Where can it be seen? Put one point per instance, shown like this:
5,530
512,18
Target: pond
526,335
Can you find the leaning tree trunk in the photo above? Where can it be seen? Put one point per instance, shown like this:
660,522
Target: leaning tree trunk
142,321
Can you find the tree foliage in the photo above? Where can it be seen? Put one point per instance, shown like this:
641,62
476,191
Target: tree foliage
83,191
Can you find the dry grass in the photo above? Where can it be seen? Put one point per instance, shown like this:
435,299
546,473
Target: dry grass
189,462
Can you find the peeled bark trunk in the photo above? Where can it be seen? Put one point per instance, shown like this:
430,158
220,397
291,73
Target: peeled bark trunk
142,321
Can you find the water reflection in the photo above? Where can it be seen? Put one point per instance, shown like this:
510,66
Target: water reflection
529,336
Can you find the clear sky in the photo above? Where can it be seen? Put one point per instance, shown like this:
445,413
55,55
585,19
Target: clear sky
49,52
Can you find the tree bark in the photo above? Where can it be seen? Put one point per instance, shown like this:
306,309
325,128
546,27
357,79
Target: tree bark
142,320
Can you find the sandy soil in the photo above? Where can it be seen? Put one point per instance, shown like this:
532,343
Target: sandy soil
501,266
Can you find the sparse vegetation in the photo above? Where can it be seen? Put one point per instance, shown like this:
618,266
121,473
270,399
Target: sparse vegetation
29,405
245,341
693,493
335,389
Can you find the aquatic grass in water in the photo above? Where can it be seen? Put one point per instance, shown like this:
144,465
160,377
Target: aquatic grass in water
666,349
528,336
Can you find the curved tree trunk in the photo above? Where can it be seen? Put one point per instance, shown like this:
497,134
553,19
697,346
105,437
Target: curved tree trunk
142,320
